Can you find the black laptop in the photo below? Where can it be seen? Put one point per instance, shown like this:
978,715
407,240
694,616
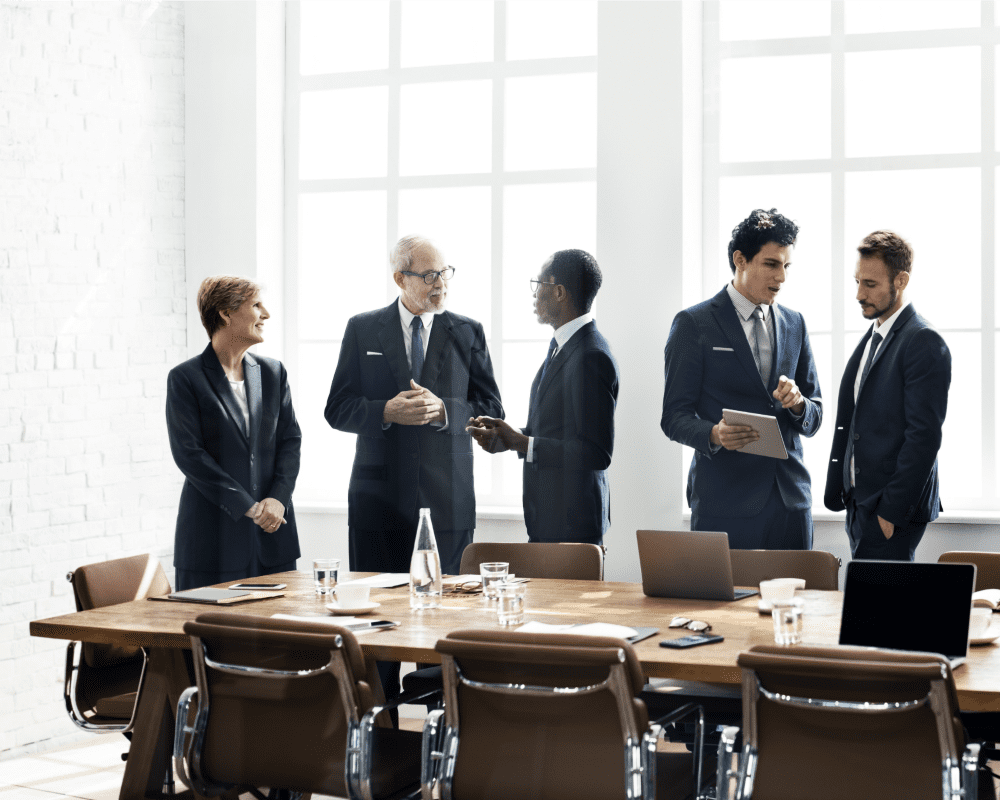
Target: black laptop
901,605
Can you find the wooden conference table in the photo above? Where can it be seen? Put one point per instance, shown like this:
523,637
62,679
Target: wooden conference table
158,626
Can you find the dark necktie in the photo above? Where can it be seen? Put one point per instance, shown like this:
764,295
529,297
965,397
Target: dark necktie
761,345
416,349
849,453
545,365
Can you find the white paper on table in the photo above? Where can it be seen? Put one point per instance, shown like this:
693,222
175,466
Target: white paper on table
343,622
584,629
384,580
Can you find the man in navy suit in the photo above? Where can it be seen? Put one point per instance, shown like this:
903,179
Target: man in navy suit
893,398
569,437
742,351
409,378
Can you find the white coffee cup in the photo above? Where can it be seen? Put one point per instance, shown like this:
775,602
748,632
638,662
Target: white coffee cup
778,589
979,622
352,595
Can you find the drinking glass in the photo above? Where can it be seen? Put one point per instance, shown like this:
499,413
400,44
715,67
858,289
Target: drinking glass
492,573
510,603
325,574
787,616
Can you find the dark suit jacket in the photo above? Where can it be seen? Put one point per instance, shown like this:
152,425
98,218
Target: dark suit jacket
226,471
709,366
566,494
404,468
897,424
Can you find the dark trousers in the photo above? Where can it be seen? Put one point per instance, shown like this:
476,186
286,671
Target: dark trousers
390,551
868,541
774,528
195,579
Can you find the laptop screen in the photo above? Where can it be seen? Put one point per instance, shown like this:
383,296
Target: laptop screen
905,606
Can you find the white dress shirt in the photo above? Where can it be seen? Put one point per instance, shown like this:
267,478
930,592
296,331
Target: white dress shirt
240,392
562,336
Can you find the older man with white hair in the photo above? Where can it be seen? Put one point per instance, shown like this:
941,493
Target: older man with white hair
409,378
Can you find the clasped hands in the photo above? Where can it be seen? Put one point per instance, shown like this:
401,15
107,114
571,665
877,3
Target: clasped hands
733,437
495,435
268,513
415,406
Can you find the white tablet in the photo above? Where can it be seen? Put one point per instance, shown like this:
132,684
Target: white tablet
769,444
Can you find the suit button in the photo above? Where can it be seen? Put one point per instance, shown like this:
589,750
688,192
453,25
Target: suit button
857,471
255,487
857,436
251,458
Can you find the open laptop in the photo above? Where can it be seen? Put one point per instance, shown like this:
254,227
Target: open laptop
901,605
690,564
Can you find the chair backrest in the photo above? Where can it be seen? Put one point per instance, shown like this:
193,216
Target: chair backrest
817,568
859,748
987,566
109,583
514,736
568,561
276,699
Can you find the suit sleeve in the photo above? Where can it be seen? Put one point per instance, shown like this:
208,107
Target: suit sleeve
347,408
593,434
288,446
190,455
683,371
926,378
807,380
483,396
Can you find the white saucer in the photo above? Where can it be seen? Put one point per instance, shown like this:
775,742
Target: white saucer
338,610
991,635
767,606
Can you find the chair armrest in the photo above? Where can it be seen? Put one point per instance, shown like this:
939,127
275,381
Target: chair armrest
970,771
183,733
431,753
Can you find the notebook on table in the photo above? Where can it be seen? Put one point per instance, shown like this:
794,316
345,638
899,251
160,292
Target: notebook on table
687,564
901,605
217,597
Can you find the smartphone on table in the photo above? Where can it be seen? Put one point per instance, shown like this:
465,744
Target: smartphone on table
690,641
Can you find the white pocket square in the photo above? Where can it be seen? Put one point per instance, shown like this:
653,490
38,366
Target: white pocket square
724,349
373,353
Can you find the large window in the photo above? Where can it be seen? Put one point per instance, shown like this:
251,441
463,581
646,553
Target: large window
854,116
470,122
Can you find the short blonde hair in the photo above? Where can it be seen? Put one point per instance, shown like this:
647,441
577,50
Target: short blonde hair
222,293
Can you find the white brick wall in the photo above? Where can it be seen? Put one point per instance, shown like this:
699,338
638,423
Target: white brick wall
92,316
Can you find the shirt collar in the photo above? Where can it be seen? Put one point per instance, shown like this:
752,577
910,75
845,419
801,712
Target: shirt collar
407,318
883,329
565,331
745,307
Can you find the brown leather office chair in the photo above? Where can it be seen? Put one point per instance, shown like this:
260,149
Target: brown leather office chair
568,561
547,717
817,568
285,705
103,680
987,566
829,723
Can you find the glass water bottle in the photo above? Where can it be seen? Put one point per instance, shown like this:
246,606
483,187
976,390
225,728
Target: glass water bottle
425,566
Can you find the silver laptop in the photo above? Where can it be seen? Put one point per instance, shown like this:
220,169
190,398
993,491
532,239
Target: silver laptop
689,564
901,605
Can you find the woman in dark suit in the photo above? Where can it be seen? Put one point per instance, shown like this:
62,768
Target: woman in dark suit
234,436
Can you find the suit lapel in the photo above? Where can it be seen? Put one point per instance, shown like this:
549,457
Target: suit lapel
729,321
897,326
437,348
251,374
561,358
393,347
220,385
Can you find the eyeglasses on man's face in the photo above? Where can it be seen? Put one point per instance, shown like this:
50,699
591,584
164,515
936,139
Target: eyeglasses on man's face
535,283
431,277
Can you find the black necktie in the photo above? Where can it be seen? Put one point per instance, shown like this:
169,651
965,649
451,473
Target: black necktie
849,453
545,365
416,349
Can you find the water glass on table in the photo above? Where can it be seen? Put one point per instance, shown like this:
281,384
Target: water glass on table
787,617
325,572
510,603
492,573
